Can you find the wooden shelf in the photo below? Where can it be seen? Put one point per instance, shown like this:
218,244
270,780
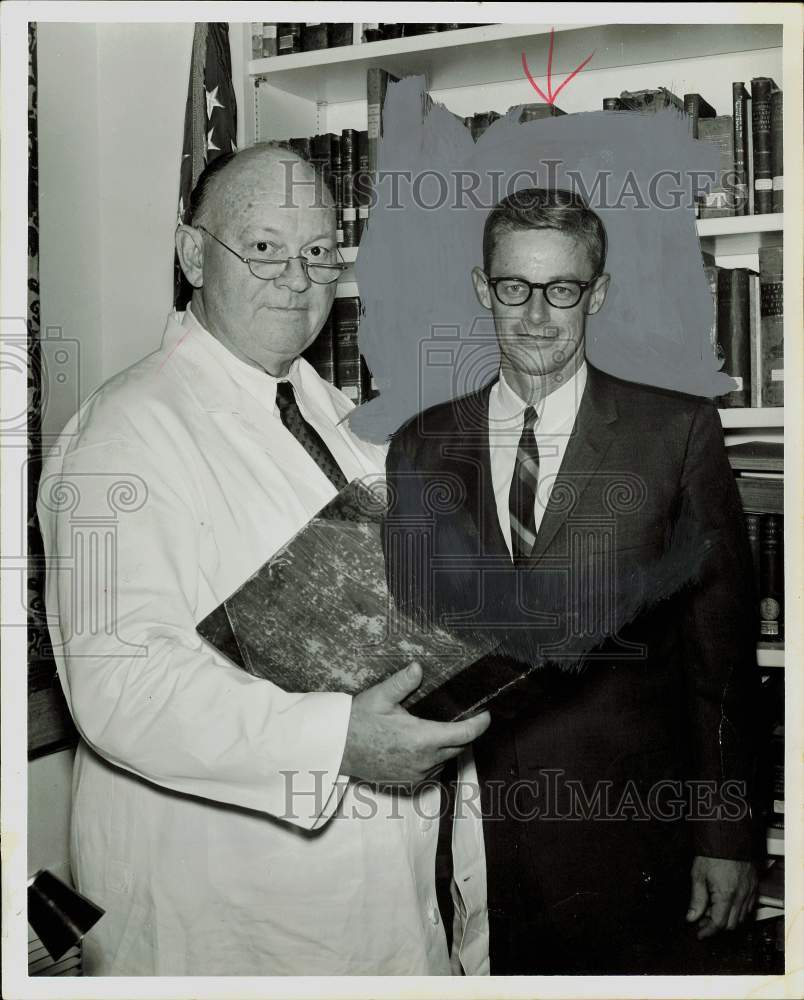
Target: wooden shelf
493,53
753,416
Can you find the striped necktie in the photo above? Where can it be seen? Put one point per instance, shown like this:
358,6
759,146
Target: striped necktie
522,497
307,436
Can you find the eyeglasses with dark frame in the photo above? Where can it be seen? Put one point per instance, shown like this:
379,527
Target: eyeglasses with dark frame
266,270
561,293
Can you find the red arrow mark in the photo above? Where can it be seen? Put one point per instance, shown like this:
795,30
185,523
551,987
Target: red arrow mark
551,95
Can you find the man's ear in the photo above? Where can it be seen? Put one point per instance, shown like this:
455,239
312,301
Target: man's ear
190,251
598,294
482,289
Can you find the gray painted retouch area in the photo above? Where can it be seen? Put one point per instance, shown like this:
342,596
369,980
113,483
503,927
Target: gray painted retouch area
425,336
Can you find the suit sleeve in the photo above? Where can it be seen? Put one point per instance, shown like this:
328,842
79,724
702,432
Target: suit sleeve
720,630
145,691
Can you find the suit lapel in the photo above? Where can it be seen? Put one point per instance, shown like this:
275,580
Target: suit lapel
594,430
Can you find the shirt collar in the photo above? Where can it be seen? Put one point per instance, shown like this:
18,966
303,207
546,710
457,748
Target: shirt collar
555,411
206,353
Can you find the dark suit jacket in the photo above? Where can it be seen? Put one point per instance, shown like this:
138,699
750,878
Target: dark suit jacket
638,613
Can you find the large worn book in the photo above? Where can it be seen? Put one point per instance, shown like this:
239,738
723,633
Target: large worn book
318,616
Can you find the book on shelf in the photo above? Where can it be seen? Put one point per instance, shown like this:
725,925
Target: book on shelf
771,289
345,321
321,353
288,38
696,108
536,110
753,523
270,40
771,577
350,167
757,456
362,182
718,202
733,333
480,121
777,150
336,174
318,616
762,89
377,81
742,138
755,338
314,36
761,495
341,33
649,100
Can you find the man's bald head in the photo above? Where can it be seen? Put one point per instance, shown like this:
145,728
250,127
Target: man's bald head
292,180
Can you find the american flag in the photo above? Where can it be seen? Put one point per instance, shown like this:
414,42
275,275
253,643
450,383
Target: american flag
210,121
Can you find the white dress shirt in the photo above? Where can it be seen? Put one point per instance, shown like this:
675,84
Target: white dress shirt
209,817
555,419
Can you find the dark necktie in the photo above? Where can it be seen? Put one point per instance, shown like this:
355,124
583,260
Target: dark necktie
522,498
307,436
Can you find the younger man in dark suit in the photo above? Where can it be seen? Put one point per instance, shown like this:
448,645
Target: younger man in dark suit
621,767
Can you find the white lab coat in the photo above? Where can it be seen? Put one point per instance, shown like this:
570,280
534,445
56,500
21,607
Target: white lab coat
209,819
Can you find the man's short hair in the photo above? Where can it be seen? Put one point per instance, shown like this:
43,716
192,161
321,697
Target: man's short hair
546,208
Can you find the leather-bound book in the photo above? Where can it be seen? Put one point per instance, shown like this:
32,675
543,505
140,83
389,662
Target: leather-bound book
733,333
761,91
346,319
771,578
318,616
696,108
742,126
771,330
719,202
777,150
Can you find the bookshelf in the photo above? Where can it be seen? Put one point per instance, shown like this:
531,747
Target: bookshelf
479,69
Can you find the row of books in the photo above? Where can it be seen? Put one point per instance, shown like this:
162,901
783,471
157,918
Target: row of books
749,140
747,329
336,356
275,39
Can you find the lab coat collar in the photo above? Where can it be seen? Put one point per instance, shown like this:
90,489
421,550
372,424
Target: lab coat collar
201,355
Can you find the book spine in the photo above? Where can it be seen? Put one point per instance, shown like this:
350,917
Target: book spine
314,36
372,33
753,524
341,33
336,173
711,273
771,593
761,89
754,327
362,183
696,108
376,89
346,317
741,137
270,40
288,38
350,164
777,150
322,158
771,332
719,202
733,334
321,353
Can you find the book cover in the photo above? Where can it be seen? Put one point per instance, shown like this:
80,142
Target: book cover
720,200
346,319
777,150
711,272
753,524
771,578
742,133
771,333
696,108
761,90
318,616
733,333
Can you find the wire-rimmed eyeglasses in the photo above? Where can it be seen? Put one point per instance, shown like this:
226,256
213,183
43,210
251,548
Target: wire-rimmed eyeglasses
563,293
323,270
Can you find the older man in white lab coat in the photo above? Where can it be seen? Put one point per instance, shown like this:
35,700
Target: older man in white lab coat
215,816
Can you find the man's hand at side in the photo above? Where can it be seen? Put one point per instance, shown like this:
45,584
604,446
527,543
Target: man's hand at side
387,745
723,894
